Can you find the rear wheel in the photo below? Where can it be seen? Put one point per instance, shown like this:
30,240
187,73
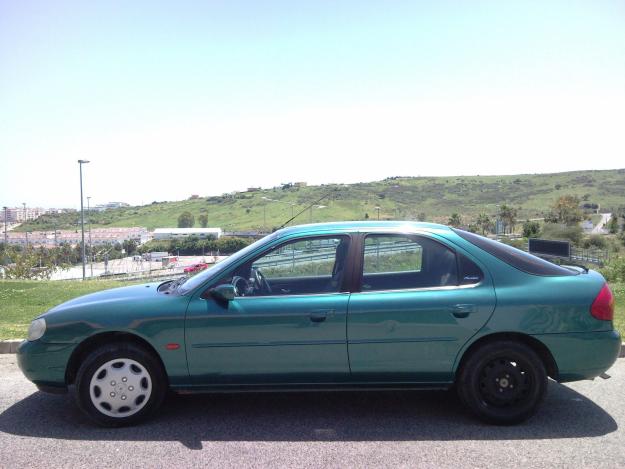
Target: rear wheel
503,382
120,384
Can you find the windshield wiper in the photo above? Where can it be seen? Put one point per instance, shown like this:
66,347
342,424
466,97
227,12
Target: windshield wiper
176,283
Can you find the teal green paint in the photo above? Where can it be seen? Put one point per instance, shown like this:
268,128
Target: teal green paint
267,339
407,337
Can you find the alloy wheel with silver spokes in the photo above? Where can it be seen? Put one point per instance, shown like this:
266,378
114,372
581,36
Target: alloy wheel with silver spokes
120,388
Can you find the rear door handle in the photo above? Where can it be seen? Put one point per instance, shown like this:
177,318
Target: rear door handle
463,310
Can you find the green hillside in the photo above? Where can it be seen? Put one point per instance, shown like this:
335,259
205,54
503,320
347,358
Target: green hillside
432,198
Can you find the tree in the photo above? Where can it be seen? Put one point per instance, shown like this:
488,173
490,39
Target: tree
613,225
203,219
186,220
484,223
421,216
531,229
30,264
130,246
565,210
454,220
508,216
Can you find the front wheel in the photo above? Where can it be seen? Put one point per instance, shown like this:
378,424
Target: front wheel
120,384
503,382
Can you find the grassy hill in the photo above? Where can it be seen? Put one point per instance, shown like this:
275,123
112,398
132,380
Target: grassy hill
434,198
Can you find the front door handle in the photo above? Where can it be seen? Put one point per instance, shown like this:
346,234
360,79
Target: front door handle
320,316
462,310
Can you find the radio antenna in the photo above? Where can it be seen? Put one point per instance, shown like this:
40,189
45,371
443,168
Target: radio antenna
328,194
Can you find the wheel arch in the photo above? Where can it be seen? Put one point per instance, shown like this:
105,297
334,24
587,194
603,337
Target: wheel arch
540,348
106,338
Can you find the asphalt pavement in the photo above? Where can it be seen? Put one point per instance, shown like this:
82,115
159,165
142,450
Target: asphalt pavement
579,425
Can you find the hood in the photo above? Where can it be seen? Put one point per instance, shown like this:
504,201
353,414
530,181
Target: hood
113,295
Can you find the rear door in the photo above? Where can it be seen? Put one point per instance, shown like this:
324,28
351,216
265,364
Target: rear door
417,303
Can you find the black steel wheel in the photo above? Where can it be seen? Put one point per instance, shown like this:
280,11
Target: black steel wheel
503,382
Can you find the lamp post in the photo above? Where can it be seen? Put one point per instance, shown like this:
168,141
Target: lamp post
282,202
24,221
90,245
82,218
311,210
5,228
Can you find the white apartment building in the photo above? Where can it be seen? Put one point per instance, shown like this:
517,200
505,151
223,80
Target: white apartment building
20,214
99,236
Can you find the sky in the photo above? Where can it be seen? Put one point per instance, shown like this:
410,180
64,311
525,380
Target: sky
169,99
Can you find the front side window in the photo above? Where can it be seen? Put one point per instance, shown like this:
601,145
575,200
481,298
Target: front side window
299,267
396,262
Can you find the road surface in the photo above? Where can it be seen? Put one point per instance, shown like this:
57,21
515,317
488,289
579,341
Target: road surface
599,227
580,425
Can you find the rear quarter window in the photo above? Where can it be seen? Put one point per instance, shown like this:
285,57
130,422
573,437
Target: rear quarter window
514,257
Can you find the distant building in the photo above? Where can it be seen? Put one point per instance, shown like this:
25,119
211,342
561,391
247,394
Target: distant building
99,236
253,189
194,196
244,234
176,233
300,184
20,214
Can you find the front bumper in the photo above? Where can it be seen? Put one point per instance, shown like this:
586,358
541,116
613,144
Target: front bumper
583,355
44,364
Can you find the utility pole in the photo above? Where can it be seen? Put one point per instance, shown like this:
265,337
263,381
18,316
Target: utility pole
82,218
378,209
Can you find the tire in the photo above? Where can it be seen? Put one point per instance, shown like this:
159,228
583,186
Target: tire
503,382
120,384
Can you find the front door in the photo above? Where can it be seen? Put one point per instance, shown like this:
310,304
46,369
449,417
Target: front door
419,302
287,323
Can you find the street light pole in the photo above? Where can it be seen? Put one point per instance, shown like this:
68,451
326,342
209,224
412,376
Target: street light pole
82,218
24,221
5,228
90,245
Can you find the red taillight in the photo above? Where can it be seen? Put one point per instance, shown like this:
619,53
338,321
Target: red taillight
603,306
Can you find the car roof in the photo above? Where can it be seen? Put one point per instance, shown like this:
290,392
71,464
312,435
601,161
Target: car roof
359,226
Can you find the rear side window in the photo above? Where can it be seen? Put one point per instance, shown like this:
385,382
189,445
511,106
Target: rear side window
398,262
514,257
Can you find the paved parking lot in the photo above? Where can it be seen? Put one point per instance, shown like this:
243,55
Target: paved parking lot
580,425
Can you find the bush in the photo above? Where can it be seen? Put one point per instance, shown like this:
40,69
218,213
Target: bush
531,229
614,271
594,241
572,233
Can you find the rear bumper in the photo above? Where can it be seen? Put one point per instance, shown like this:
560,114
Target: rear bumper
44,364
583,355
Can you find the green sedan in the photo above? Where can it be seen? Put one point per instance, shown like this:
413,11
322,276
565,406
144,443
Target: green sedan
354,305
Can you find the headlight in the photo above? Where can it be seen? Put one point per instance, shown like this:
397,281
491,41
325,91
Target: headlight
37,329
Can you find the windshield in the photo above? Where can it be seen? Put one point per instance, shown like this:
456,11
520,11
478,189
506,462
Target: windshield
193,282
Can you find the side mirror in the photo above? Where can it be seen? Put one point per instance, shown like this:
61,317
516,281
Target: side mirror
223,292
